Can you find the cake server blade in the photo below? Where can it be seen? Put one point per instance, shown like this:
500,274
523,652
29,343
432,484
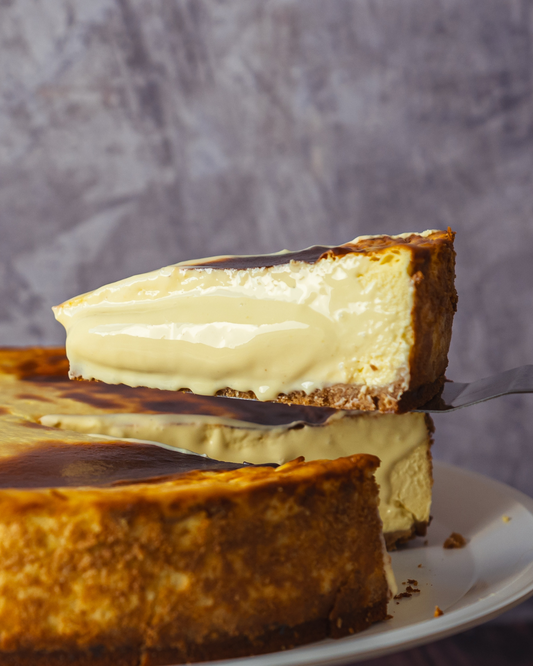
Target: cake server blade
456,395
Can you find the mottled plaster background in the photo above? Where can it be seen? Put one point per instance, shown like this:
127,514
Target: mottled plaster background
137,133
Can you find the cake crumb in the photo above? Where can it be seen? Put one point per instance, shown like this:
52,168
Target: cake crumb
402,595
506,519
455,540
419,566
438,612
412,590
389,617
412,581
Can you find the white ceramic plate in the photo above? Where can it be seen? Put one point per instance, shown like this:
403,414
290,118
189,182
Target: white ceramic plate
493,573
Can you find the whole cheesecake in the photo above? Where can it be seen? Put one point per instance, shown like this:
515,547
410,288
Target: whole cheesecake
230,429
365,325
125,552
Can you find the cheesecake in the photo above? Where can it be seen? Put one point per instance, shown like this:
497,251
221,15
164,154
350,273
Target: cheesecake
365,325
34,386
186,566
121,551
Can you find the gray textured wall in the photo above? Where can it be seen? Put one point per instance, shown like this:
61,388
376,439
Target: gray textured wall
136,133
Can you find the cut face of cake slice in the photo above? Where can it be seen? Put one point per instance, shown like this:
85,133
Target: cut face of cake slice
365,325
228,429
114,551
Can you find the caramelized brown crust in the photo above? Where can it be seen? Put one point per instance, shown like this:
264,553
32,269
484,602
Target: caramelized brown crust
433,310
34,362
208,566
371,245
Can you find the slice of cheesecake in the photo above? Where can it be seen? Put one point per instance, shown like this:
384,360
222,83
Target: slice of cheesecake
123,552
34,386
365,325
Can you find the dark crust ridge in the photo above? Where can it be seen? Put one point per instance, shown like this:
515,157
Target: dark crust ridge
276,639
312,255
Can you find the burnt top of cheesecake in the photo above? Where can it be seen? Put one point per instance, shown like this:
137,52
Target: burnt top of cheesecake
313,254
61,465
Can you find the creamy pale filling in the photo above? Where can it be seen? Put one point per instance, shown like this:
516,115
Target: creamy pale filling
292,327
400,441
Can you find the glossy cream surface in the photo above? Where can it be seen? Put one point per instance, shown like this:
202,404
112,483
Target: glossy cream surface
293,327
400,441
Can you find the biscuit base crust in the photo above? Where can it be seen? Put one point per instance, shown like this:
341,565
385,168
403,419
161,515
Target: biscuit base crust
348,397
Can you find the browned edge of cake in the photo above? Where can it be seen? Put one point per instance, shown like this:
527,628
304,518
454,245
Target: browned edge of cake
308,533
435,304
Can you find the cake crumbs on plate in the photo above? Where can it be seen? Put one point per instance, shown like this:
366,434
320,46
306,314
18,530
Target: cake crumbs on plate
409,590
455,540
506,519
438,612
403,595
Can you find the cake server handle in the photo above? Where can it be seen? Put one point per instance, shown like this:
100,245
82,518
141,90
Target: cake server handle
456,395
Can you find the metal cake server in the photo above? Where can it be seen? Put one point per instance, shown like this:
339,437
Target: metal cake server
456,395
